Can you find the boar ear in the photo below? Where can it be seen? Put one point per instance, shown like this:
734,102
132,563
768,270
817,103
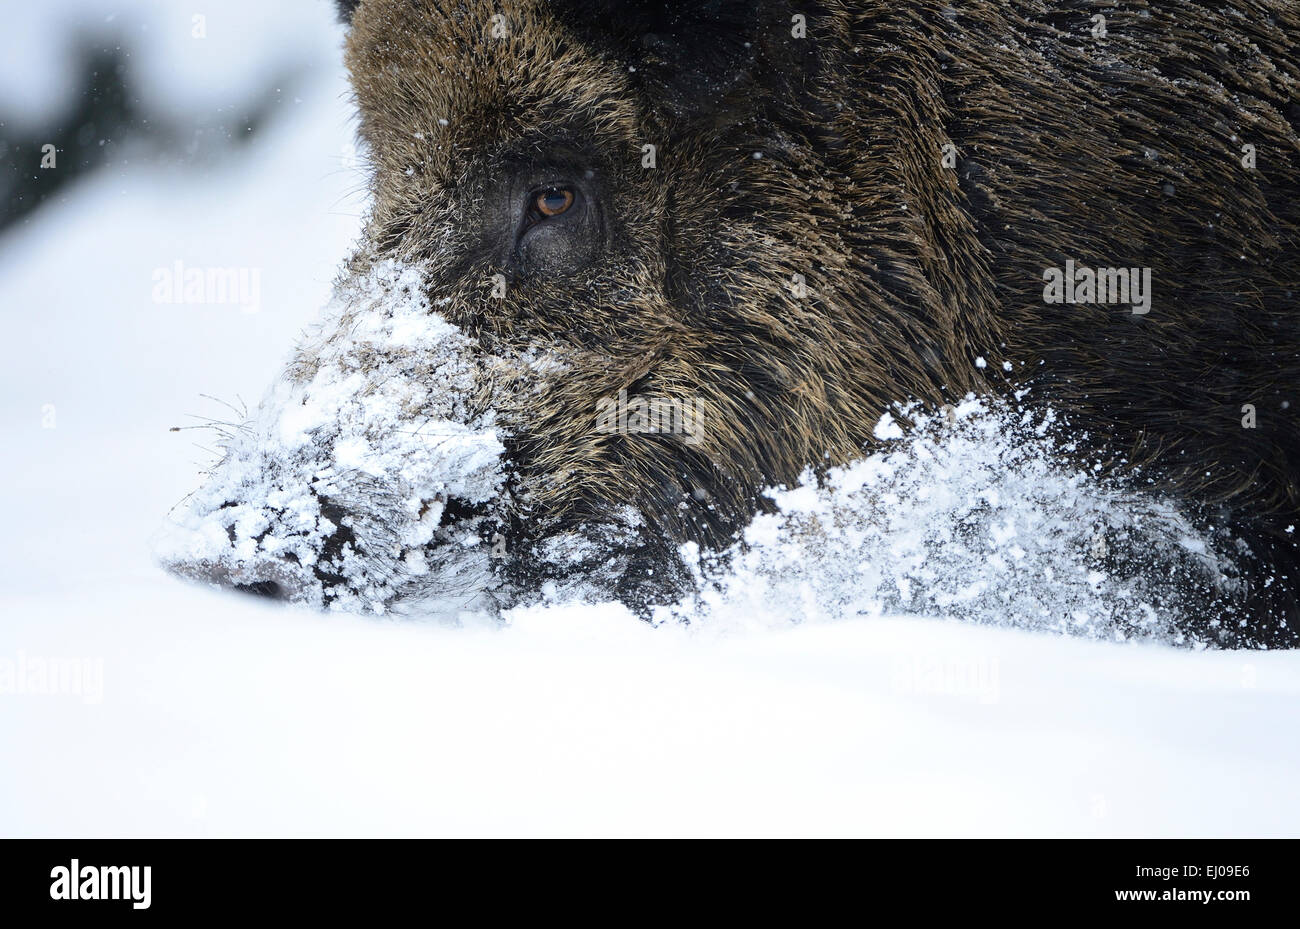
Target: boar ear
346,8
699,59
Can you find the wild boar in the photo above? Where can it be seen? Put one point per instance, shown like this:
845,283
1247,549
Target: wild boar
672,253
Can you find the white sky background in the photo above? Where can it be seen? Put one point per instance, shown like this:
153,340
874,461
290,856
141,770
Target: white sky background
221,715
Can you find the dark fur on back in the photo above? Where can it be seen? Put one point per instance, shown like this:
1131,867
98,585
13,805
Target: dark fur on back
822,156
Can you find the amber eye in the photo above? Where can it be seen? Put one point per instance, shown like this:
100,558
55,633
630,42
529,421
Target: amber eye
554,201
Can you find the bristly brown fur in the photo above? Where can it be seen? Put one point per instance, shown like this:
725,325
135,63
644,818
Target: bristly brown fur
823,157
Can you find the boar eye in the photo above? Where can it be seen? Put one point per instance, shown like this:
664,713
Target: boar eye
553,201
559,225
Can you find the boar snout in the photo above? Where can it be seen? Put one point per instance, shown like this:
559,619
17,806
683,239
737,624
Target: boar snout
268,589
366,476
219,576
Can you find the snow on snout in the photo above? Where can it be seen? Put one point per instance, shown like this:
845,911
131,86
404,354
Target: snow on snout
336,491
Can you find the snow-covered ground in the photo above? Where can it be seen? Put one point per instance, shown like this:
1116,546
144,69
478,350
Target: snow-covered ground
196,712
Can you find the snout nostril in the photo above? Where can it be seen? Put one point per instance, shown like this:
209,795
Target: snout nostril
269,589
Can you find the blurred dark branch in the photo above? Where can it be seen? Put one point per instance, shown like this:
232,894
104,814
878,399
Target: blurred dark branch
105,121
